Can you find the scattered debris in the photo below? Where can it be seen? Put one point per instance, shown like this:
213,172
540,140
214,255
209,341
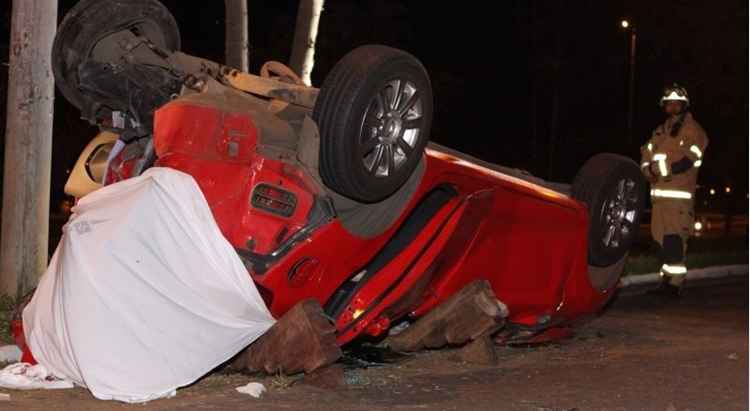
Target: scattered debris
10,354
468,315
355,378
514,337
480,351
282,382
253,389
368,355
399,328
733,356
23,376
304,339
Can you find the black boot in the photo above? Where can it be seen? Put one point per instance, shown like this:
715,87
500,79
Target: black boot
667,290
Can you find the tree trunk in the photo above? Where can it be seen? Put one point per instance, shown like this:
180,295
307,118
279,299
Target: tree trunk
237,35
305,35
28,146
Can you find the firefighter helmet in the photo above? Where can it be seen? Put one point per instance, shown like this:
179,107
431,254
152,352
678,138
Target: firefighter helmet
675,93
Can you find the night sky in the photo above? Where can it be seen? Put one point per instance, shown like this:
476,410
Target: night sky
500,73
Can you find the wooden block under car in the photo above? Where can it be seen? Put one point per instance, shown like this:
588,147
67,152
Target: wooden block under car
471,313
303,340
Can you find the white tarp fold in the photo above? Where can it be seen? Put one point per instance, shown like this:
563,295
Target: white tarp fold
144,294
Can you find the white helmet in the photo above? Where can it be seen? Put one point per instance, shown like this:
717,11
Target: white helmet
675,93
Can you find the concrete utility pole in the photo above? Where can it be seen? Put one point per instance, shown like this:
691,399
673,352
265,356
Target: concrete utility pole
28,146
237,35
305,35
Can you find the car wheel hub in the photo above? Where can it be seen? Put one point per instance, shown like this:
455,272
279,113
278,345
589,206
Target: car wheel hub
391,128
619,214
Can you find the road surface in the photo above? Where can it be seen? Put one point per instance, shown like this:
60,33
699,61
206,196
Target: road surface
641,354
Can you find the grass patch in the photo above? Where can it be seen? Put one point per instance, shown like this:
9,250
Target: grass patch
702,252
6,311
645,264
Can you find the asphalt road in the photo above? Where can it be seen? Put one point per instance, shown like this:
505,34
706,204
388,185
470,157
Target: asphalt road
643,353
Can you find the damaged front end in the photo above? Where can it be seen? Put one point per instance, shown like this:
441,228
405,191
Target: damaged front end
169,109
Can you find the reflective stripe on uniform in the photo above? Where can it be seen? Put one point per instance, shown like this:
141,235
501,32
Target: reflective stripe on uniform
683,195
662,159
675,96
663,168
650,147
674,269
695,149
646,164
698,163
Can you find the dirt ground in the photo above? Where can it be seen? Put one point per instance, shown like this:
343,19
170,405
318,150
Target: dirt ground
641,354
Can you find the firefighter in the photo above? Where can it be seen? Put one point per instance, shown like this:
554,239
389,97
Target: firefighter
670,160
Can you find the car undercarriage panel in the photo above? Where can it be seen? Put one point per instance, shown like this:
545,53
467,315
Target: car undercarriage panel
218,147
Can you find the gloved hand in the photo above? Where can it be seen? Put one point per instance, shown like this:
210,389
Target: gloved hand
654,171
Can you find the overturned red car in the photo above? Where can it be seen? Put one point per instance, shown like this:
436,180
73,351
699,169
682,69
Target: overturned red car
336,193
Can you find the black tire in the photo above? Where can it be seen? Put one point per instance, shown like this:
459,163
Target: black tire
92,20
612,187
348,95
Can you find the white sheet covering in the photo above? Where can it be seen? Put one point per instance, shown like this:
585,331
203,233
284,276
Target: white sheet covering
143,295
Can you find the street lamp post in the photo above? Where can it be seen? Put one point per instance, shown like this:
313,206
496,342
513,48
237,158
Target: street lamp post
631,85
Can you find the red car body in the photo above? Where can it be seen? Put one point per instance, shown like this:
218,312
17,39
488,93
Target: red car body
528,241
455,221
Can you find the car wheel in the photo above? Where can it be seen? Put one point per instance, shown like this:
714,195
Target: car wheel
374,112
614,190
90,21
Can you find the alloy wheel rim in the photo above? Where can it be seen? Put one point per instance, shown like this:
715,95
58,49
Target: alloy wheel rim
391,128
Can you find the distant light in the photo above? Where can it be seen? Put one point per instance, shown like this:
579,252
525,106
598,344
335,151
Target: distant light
698,226
713,192
728,190
625,24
